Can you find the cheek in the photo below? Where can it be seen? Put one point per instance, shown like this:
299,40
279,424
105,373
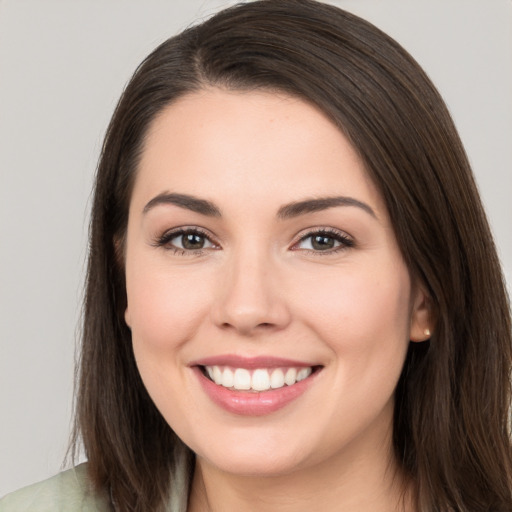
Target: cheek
363,319
164,308
360,297
363,316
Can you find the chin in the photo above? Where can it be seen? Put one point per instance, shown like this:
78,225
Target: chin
243,455
254,465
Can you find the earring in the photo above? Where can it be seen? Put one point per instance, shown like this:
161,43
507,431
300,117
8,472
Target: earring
426,332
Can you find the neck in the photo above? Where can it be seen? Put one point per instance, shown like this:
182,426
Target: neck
357,479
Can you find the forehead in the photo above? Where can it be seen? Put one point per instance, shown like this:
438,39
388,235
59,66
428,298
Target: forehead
249,145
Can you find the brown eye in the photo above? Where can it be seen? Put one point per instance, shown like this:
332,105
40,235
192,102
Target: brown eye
192,241
324,241
186,240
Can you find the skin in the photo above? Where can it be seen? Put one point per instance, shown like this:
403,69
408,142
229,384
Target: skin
258,287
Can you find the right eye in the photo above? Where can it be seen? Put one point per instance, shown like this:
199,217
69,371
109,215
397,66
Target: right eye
190,241
186,241
324,241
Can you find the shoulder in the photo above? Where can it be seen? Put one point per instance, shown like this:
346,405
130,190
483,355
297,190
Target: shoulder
69,491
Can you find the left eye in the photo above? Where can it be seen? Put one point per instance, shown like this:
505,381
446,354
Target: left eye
323,242
189,241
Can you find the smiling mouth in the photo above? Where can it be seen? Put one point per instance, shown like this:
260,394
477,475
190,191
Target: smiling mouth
259,379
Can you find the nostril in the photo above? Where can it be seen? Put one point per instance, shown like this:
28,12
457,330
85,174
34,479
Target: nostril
264,325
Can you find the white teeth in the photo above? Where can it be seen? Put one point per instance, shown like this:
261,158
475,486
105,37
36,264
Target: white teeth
277,379
291,376
228,378
217,375
303,373
261,379
242,379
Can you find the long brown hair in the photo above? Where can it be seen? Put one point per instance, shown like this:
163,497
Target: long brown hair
451,423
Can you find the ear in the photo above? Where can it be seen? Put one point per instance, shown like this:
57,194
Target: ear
119,254
119,250
421,316
127,317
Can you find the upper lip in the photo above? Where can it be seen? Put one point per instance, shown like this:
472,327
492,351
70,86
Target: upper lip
250,362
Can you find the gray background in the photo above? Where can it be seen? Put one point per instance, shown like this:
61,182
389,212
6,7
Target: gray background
63,65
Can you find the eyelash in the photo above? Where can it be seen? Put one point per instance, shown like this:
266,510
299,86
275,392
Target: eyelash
164,241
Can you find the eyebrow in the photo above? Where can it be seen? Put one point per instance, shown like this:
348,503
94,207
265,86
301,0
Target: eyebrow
186,201
288,211
318,204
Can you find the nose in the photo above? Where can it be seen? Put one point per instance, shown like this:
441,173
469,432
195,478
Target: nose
251,299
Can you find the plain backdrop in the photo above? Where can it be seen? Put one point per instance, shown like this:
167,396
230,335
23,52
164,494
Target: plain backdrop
63,65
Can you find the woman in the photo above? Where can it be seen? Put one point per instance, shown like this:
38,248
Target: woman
293,297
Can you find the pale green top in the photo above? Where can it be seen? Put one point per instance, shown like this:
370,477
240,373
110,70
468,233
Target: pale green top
71,491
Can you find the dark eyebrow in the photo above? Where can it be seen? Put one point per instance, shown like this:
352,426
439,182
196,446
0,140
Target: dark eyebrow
287,211
184,201
323,203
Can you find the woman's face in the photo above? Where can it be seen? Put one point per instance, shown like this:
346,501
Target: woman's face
259,255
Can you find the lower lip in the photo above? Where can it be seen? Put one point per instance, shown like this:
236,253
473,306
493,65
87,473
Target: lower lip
252,403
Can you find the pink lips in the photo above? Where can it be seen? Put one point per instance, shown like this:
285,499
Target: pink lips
250,403
250,363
